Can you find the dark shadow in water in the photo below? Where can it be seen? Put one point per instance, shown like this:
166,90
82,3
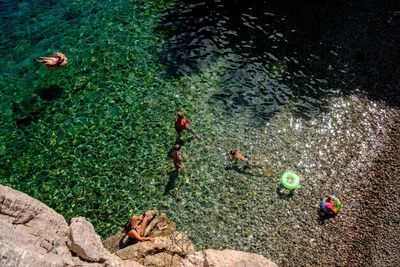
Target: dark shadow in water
50,93
239,169
28,111
280,52
71,15
183,141
171,182
32,107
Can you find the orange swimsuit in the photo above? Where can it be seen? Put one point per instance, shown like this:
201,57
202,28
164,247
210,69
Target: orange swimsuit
180,124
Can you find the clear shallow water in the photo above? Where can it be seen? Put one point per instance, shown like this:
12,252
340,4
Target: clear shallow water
92,139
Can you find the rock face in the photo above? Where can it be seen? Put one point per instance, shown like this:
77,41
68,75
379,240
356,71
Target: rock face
167,251
32,234
226,258
84,241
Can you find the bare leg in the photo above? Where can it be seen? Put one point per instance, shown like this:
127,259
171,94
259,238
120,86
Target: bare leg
40,59
149,216
178,136
196,135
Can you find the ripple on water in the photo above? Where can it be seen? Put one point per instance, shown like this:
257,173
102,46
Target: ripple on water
243,207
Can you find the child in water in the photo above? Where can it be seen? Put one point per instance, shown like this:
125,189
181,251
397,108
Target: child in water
177,157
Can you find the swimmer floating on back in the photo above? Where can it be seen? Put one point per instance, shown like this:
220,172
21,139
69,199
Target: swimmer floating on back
56,60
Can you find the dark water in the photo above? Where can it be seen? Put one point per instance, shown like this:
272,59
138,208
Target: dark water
281,52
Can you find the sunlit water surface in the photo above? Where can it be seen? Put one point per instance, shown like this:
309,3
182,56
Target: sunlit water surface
93,139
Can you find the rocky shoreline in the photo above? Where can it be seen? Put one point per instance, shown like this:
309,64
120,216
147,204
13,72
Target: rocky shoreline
32,234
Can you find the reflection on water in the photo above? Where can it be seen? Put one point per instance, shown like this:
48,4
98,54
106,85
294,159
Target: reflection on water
270,58
91,139
276,53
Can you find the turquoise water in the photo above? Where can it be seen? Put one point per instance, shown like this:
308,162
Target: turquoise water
92,139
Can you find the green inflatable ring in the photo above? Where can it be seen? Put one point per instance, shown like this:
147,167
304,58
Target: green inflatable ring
290,180
338,204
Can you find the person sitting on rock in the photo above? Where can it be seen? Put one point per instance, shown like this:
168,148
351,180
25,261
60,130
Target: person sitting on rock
133,230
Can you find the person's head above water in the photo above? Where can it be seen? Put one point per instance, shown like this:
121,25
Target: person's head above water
234,151
181,115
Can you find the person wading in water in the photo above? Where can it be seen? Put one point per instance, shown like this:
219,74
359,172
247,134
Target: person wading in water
177,157
182,123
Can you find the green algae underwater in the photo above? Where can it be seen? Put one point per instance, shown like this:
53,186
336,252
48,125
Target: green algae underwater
93,138
89,139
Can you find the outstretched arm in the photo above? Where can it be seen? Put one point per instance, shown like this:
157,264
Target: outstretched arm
134,234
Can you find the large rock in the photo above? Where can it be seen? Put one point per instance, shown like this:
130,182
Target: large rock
163,252
84,241
120,241
226,258
32,234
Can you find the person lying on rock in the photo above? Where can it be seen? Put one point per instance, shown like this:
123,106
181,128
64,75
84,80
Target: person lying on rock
136,231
